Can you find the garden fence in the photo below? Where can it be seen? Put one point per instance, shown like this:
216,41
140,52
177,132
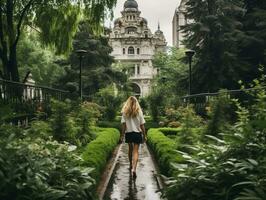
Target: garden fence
202,100
26,99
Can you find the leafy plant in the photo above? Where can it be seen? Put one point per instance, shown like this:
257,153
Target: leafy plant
36,168
111,102
228,167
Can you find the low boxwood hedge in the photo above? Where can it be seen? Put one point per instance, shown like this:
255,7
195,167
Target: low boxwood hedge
164,149
170,131
97,152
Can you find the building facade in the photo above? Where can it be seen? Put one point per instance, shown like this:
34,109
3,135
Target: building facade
134,45
179,20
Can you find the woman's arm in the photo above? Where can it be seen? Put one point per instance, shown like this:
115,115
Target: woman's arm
122,132
142,127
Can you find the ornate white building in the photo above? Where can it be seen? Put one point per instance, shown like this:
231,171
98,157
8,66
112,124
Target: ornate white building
134,45
179,20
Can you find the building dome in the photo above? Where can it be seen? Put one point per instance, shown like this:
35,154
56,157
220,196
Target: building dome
130,4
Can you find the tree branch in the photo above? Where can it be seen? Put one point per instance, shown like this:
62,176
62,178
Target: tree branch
24,11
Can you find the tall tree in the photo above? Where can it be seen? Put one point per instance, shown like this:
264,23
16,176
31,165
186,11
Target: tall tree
173,71
56,20
212,32
97,72
252,43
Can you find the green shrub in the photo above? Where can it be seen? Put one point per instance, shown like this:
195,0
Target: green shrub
221,114
155,104
41,129
97,152
231,167
164,149
111,102
71,121
36,168
170,131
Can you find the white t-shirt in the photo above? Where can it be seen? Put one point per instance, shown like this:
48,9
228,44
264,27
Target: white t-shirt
133,123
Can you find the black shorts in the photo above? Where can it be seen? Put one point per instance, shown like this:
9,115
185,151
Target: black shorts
134,137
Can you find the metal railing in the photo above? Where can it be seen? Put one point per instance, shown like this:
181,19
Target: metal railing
202,100
27,98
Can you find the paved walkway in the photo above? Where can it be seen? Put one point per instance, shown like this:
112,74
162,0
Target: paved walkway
123,187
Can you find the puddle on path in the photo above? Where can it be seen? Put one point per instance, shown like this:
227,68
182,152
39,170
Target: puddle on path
123,187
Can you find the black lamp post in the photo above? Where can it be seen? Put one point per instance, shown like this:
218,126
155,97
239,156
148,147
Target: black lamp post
80,53
190,54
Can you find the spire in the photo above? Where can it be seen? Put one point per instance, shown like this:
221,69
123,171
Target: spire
159,28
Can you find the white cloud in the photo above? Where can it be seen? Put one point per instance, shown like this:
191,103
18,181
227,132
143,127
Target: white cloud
154,11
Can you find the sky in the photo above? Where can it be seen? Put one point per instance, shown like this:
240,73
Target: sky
154,11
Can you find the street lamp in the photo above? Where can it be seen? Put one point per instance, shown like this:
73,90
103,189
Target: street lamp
80,53
190,54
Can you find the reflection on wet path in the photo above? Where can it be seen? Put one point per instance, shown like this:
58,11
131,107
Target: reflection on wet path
123,187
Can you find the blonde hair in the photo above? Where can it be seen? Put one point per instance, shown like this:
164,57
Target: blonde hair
131,107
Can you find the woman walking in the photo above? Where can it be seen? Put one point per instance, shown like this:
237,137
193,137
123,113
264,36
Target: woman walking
134,130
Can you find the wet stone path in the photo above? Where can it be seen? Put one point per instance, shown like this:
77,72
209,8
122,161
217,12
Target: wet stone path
123,187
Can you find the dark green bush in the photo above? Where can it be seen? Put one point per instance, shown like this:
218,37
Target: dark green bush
221,112
71,121
97,152
164,149
110,102
170,131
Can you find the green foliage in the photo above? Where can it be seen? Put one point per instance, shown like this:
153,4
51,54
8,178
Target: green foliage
164,150
221,112
156,104
97,152
40,61
252,44
231,167
71,122
55,20
36,168
173,74
41,129
170,131
111,102
108,124
212,34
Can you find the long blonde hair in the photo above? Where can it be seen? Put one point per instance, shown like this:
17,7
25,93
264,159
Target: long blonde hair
131,107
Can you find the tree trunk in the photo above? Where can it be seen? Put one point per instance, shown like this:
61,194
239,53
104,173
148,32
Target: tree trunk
13,65
3,47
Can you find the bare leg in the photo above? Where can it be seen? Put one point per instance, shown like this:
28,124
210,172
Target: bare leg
135,157
130,149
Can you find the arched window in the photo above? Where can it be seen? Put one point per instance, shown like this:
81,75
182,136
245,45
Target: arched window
124,51
131,30
138,51
131,50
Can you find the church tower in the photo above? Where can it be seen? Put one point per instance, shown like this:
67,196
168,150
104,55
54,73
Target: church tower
134,45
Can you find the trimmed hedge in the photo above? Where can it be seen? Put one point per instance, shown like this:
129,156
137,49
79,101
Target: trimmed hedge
170,131
97,152
164,149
